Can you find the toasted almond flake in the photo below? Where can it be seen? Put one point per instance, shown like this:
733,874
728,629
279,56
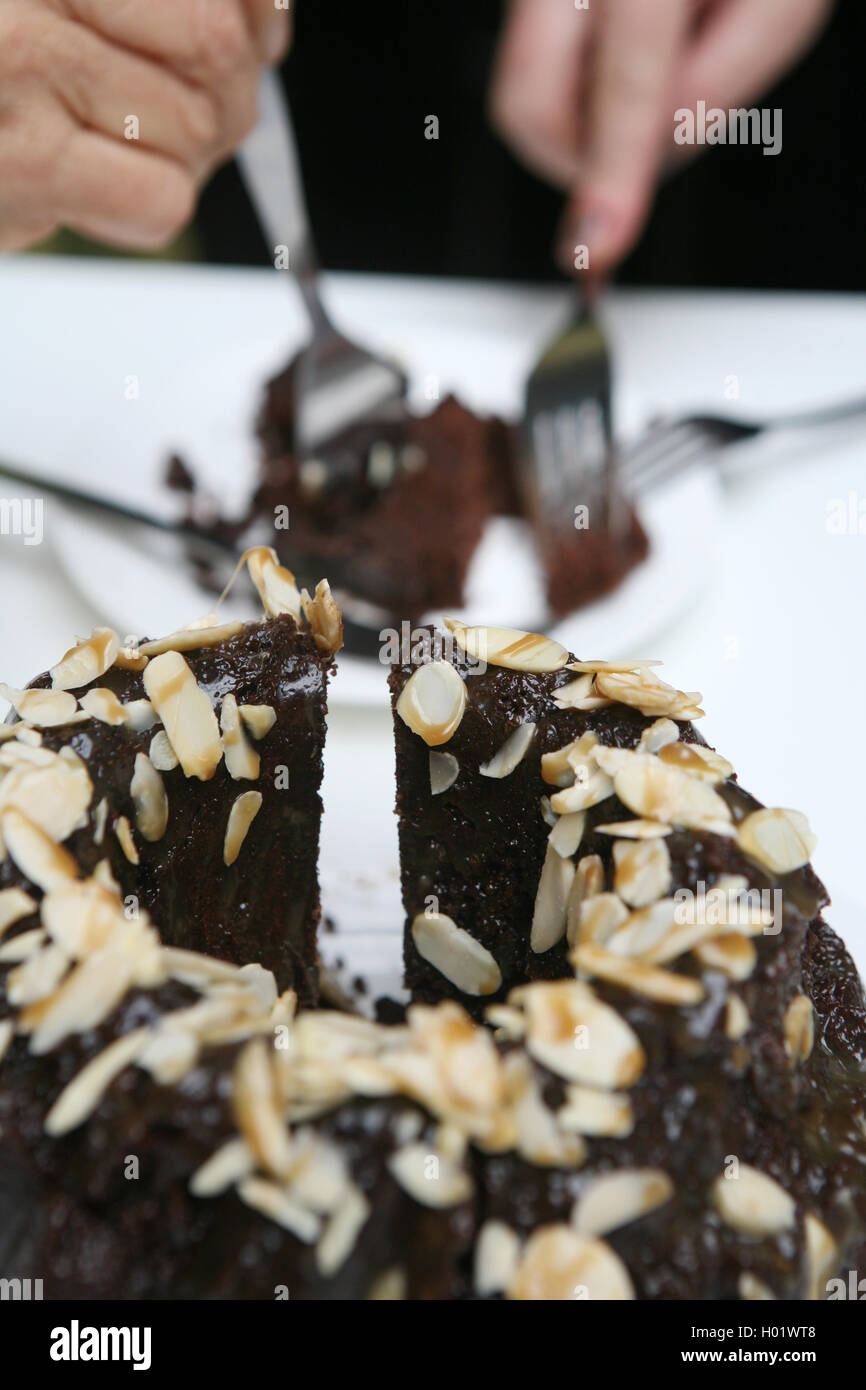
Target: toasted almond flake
100,820
497,1252
274,583
254,1098
259,719
649,788
341,1233
509,647
37,977
123,831
82,1096
752,1289
242,760
149,798
232,1162
278,1206
444,771
161,753
643,871
509,1022
753,1203
591,786
658,736
578,695
81,916
590,1111
588,883
456,954
646,692
39,858
22,947
206,632
7,1033
558,768
169,1054
548,815
15,904
430,1178
389,1287
47,709
86,661
140,715
511,754
731,953
645,934
737,1020
567,833
551,901
662,986
432,702
186,713
598,918
129,658
560,1264
697,761
102,704
94,988
613,667
104,876
243,812
635,829
324,616
31,737
822,1253
799,1029
617,1198
21,755
574,1034
778,839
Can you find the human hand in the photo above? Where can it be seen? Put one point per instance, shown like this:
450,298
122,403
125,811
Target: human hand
112,114
586,96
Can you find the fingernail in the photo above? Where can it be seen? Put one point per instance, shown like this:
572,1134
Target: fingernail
276,38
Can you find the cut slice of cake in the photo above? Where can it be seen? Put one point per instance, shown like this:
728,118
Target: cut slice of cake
186,772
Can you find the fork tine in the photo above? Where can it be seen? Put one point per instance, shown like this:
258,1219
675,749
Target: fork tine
656,443
685,438
690,450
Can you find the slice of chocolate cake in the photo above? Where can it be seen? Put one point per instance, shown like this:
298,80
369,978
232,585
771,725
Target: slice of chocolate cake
186,772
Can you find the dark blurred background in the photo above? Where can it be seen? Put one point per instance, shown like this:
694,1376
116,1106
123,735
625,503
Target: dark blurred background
363,77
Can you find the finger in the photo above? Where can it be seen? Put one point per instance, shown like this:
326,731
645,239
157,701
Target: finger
127,96
535,91
206,40
131,198
629,118
271,23
743,47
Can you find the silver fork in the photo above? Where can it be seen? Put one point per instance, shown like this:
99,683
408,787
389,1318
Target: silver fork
338,383
668,447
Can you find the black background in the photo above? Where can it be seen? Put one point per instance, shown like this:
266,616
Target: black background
363,74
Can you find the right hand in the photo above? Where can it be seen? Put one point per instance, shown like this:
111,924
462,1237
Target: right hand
73,73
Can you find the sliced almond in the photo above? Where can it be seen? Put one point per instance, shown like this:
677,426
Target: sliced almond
574,1034
15,904
161,754
39,858
799,1029
340,1236
149,798
578,694
324,616
511,754
696,760
652,790
86,661
731,953
444,771
602,1114
588,883
102,704
598,918
658,736
497,1252
778,839
47,709
123,831
643,871
455,954
242,760
635,829
560,1264
618,1198
187,714
431,1179
649,694
737,1020
753,1203
276,1203
567,833
432,702
558,767
243,812
613,667
140,715
206,632
55,797
822,1253
661,986
551,901
275,585
508,647
259,719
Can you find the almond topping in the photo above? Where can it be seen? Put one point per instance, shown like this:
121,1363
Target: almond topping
242,760
161,754
551,901
799,1029
574,1034
753,1203
149,798
275,585
324,617
662,986
455,954
47,709
123,831
560,1265
187,714
259,719
38,857
244,810
512,752
86,661
102,704
205,632
643,871
780,840
432,702
444,771
508,647
617,1198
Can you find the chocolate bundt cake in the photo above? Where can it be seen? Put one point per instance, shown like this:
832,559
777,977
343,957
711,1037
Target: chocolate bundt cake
633,1068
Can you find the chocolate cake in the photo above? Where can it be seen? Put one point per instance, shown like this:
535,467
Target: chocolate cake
661,1096
184,773
422,488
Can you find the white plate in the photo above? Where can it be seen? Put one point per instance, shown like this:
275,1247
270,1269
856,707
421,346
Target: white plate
198,387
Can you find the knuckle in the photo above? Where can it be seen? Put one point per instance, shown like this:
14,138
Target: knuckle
224,42
242,114
200,119
169,208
